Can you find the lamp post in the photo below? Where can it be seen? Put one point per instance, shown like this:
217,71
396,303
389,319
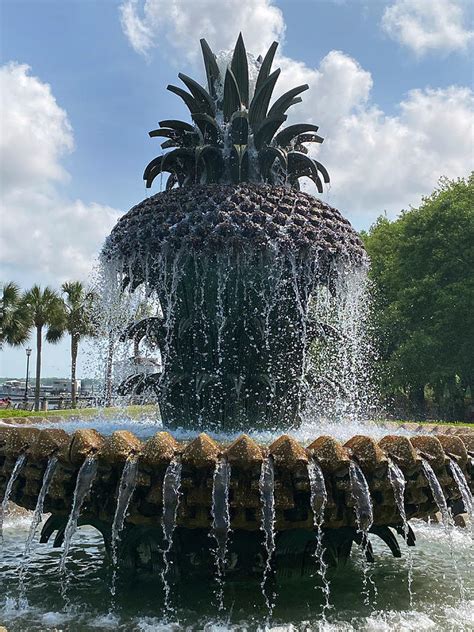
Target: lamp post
28,353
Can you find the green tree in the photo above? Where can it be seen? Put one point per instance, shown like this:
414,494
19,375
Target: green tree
13,319
44,311
423,271
79,311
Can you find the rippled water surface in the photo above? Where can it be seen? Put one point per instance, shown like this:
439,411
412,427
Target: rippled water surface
139,601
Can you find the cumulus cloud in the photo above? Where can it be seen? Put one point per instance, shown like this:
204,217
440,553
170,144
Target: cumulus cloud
181,24
44,236
428,25
377,162
381,162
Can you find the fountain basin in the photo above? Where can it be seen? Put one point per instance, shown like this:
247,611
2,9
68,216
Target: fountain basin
199,458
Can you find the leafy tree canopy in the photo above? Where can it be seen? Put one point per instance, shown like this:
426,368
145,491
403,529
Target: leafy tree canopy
423,272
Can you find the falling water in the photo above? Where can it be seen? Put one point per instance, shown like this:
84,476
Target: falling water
398,483
4,506
364,519
84,481
442,505
437,491
37,516
318,501
221,522
171,492
466,494
126,488
267,488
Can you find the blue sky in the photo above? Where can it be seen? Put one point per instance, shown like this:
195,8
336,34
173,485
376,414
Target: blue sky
83,83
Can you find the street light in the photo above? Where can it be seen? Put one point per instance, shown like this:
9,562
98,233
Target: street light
28,353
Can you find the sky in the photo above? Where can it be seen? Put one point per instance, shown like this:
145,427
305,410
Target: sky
82,83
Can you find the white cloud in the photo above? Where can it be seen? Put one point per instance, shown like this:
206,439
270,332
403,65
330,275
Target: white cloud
44,236
381,162
429,25
182,23
377,162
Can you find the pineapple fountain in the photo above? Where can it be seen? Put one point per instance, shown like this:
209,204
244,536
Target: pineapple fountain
238,258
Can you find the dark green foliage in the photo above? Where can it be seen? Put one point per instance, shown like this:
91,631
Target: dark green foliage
229,122
423,269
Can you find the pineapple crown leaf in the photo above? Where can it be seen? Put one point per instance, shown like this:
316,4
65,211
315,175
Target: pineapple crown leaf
234,136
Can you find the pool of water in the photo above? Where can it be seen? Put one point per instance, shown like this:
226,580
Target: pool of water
442,599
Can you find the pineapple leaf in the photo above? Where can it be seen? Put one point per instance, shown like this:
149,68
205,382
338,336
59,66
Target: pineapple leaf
191,103
286,100
324,171
286,135
208,126
198,92
300,165
239,67
212,69
239,130
259,106
239,163
232,100
267,157
213,162
266,130
309,138
266,66
178,125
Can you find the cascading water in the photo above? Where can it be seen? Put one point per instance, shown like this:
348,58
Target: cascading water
171,493
85,478
364,518
343,355
221,522
11,481
126,488
437,491
267,498
440,501
35,522
318,500
463,487
398,483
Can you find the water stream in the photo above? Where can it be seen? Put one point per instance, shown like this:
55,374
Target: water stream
4,506
84,481
171,493
442,505
464,490
35,522
221,522
267,497
398,483
318,500
125,490
364,519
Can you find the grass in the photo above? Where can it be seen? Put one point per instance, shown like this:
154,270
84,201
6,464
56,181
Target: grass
429,422
129,411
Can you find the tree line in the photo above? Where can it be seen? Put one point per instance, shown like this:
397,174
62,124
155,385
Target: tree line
46,312
422,271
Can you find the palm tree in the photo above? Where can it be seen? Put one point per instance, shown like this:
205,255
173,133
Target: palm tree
79,305
43,309
14,329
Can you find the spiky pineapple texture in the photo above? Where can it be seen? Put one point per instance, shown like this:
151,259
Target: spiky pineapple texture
234,136
225,218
